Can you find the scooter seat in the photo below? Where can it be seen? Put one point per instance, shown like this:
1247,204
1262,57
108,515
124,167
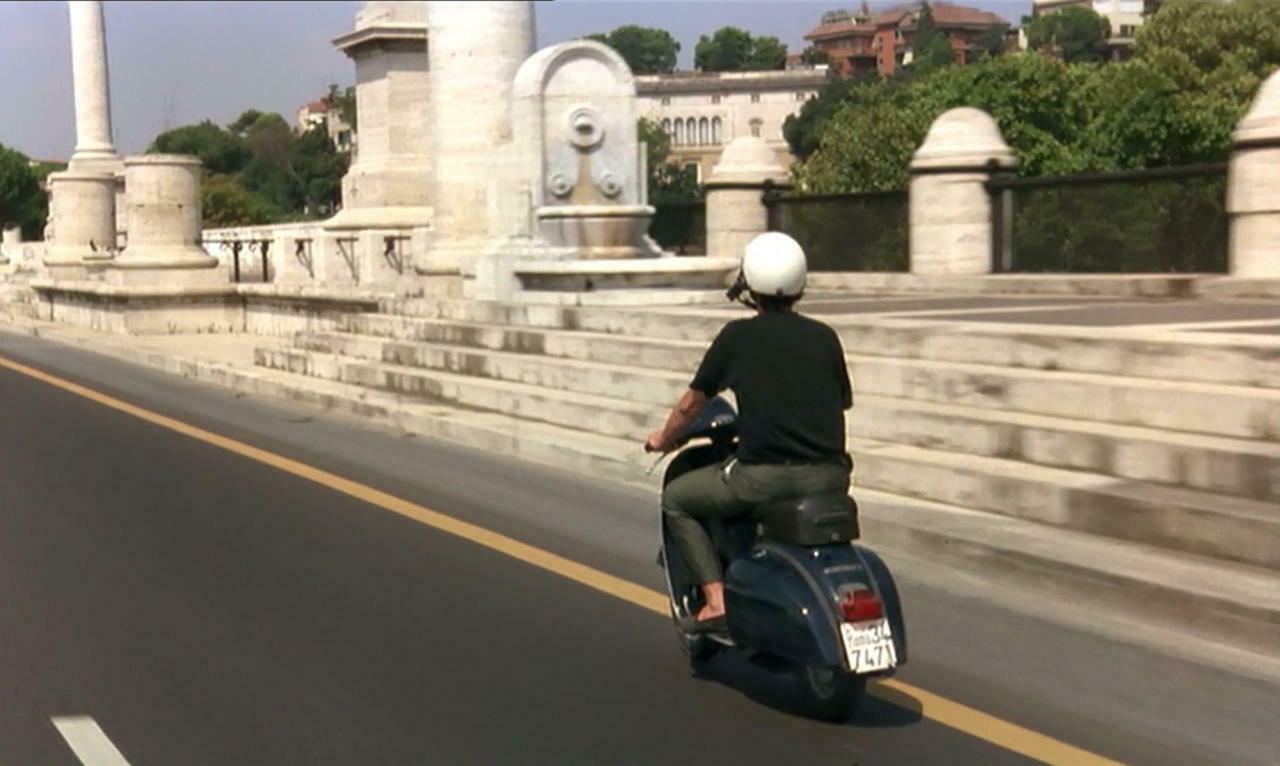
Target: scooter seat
812,520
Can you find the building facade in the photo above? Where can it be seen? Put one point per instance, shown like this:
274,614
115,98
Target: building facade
703,111
861,42
327,112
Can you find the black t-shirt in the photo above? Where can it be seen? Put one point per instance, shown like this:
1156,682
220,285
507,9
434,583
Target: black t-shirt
789,375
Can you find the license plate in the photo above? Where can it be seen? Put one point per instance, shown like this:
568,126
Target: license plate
868,645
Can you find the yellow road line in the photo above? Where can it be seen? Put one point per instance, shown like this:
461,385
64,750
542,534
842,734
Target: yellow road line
966,719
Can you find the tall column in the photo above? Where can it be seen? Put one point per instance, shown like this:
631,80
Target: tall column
474,51
92,91
1253,187
950,209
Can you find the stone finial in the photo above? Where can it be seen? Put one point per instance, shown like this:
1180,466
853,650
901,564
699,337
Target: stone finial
748,159
1262,122
963,138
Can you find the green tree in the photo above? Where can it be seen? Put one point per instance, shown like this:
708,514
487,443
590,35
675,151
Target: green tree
668,182
225,202
804,129
1074,34
219,150
812,56
240,126
22,202
319,167
930,48
994,40
732,49
645,49
347,103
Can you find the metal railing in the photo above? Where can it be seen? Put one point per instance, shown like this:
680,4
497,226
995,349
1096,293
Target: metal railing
865,231
1163,220
680,227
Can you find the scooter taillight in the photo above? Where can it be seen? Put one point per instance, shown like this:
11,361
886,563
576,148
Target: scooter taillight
862,605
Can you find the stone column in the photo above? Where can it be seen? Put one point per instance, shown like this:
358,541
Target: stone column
950,210
1253,187
164,223
82,221
92,90
11,242
388,184
474,51
735,210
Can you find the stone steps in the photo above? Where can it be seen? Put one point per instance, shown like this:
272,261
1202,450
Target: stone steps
634,384
1243,467
1209,524
587,412
1229,361
1223,603
1153,354
1205,408
611,348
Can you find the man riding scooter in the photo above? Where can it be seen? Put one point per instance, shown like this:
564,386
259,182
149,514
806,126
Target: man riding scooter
789,376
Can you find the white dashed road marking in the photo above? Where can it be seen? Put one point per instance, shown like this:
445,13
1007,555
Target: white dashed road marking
88,741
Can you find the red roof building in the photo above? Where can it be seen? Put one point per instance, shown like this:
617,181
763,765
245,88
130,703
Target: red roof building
856,43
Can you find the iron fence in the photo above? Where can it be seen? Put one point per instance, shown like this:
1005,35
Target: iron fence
866,231
1163,220
680,227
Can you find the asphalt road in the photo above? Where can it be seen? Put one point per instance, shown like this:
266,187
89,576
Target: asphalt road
204,608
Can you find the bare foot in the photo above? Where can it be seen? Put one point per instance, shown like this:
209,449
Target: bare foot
707,613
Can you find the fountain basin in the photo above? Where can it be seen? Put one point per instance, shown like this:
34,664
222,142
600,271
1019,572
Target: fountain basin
596,232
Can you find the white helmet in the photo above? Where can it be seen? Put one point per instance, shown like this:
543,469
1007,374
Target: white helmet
773,264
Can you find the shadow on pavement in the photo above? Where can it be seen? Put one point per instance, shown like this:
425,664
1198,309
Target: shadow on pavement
775,684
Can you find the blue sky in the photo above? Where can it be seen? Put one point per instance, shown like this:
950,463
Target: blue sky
174,63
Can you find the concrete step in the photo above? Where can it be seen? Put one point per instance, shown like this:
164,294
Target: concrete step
602,415
1234,411
1227,604
1152,354
1241,467
1193,521
667,322
634,384
610,348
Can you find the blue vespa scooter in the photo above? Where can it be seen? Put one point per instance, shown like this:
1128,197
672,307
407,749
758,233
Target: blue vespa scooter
796,587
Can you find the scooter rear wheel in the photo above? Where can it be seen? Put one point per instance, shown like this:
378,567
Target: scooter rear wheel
835,693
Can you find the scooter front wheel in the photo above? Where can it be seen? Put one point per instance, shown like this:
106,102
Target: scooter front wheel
834,692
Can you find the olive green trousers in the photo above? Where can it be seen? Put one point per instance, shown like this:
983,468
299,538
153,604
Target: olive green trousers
723,491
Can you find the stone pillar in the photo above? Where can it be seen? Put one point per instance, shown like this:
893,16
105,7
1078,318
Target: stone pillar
82,221
388,184
1253,187
164,223
474,51
735,210
950,210
92,90
11,242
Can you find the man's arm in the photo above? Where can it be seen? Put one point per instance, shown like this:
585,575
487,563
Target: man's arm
682,416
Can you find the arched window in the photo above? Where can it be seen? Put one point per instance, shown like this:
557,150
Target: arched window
755,126
666,126
704,131
715,130
678,138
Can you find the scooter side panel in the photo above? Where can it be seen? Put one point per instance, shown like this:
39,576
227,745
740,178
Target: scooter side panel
792,589
773,610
